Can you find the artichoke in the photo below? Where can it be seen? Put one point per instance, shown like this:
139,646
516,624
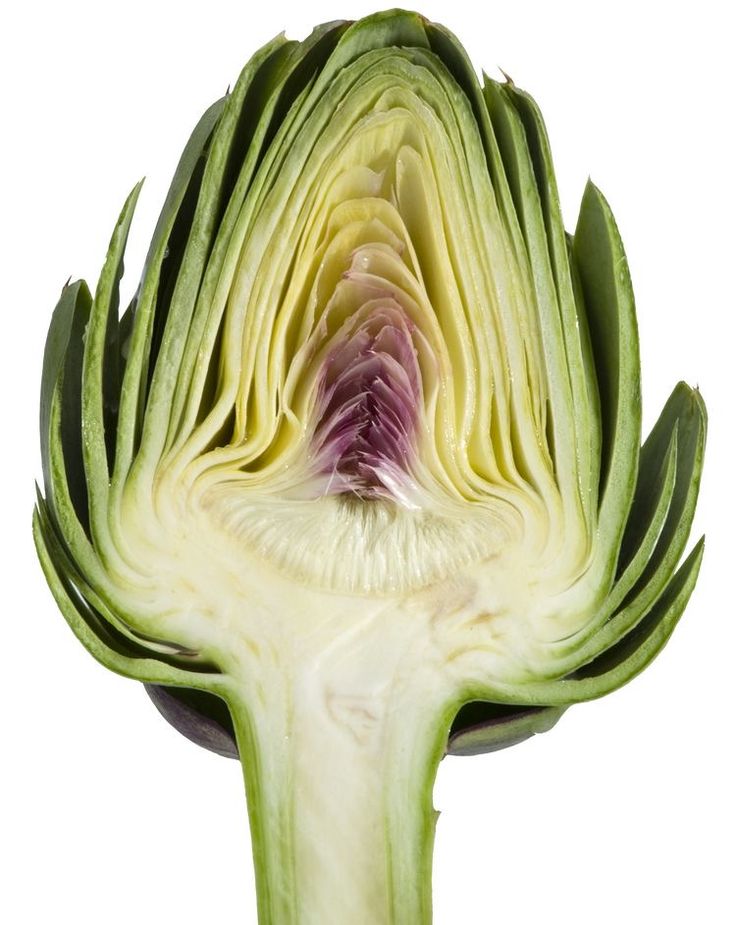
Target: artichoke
356,479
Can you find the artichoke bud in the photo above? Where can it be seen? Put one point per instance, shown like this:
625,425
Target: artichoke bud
357,479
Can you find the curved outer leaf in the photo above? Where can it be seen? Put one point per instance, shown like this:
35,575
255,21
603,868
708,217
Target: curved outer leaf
62,369
485,727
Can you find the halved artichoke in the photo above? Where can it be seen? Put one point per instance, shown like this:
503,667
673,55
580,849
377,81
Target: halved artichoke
356,479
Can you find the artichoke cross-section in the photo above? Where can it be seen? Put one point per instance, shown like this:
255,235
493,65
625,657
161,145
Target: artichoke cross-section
357,478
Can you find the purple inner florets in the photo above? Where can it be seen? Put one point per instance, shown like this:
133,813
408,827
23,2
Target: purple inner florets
369,400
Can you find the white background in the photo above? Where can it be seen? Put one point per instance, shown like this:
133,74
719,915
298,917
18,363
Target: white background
625,812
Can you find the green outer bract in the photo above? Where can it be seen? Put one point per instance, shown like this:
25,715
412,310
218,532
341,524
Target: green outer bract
114,403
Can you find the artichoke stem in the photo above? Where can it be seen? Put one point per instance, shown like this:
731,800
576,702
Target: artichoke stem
339,796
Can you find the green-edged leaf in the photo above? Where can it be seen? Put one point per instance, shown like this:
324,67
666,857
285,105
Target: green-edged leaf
684,411
100,375
62,373
609,304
